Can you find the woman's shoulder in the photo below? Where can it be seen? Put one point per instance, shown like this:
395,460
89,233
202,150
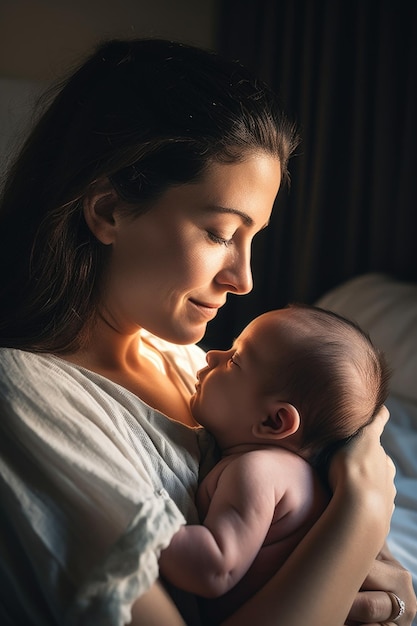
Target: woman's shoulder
46,398
21,368
14,357
47,393
25,374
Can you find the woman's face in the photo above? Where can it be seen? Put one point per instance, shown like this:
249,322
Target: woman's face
172,267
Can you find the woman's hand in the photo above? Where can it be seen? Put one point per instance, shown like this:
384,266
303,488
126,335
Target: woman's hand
364,464
364,471
373,606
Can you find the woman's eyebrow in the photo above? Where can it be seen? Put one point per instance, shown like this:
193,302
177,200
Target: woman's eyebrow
246,219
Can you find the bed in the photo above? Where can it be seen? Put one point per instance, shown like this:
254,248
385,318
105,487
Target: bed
387,309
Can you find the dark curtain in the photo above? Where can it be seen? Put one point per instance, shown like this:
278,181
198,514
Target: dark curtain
346,74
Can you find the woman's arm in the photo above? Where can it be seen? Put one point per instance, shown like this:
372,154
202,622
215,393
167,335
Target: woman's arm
318,584
155,608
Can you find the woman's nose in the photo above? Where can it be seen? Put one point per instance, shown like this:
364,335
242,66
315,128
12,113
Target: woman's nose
237,273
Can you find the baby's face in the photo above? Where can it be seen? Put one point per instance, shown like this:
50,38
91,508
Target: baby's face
230,393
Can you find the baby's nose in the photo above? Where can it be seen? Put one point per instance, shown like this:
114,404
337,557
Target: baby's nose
213,357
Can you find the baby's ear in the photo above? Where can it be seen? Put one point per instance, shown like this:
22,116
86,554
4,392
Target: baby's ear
282,420
99,205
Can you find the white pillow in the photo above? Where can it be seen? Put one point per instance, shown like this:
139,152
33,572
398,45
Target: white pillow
387,309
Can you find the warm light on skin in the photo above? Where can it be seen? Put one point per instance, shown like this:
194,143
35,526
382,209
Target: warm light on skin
231,394
172,267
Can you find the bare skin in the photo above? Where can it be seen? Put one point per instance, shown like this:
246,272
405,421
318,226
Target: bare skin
237,548
155,608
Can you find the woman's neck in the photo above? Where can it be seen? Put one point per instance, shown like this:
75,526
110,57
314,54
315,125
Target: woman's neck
132,362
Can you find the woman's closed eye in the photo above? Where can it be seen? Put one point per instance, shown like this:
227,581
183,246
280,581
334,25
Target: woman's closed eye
218,239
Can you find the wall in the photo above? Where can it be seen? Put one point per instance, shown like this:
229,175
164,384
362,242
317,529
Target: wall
40,38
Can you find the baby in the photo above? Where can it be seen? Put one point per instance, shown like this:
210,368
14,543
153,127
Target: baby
297,383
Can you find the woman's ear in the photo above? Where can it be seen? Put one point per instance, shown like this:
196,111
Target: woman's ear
99,205
282,420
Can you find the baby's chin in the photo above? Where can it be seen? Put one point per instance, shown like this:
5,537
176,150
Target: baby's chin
197,415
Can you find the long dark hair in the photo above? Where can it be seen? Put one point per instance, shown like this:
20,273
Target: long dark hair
146,114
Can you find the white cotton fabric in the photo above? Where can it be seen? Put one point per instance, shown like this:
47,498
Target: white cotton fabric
93,484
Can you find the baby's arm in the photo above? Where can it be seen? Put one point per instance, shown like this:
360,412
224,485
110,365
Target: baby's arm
210,559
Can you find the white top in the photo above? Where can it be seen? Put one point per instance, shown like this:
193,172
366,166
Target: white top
93,484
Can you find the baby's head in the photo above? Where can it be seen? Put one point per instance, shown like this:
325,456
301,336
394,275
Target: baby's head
300,377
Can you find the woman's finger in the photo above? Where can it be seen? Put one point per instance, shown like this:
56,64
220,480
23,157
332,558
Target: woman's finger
371,607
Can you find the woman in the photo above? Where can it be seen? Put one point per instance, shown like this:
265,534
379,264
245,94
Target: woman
125,222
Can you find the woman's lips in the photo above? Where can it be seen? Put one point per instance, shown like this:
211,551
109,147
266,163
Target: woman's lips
207,310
